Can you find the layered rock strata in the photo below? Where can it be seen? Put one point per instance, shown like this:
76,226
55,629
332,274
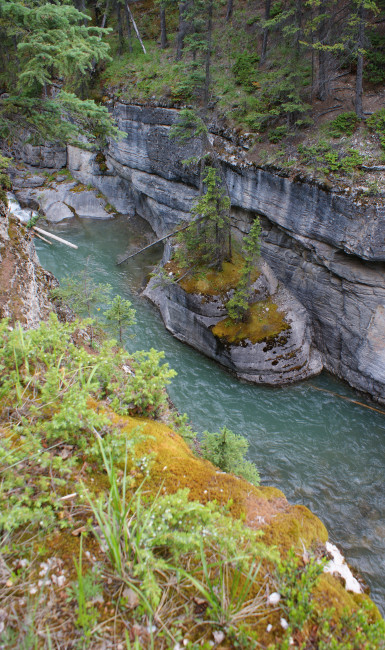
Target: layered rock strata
325,246
286,357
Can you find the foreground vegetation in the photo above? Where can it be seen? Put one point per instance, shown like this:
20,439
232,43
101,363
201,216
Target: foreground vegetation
113,532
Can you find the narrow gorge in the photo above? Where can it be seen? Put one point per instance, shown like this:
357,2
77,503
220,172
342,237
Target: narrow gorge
323,243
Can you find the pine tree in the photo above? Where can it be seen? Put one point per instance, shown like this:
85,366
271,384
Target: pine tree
238,306
120,315
54,50
208,240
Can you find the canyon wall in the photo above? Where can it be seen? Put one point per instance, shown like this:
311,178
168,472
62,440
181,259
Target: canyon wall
325,246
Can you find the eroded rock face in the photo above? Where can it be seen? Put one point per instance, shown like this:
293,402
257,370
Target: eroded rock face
286,358
60,198
24,284
326,248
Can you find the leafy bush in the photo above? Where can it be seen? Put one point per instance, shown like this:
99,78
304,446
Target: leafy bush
227,451
343,124
277,134
374,70
326,159
244,69
145,392
376,123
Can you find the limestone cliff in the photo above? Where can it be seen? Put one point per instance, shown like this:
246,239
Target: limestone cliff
325,246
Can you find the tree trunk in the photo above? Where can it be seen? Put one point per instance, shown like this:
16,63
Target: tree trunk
265,36
360,61
129,32
229,11
135,27
104,19
322,57
120,26
298,15
163,28
182,29
208,54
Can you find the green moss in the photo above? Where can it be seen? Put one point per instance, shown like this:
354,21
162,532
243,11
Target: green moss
80,187
296,528
210,282
265,323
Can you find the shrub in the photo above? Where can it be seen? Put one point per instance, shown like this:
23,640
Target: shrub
375,59
343,124
146,390
244,70
227,451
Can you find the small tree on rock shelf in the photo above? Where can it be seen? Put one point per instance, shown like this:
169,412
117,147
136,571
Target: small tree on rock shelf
238,305
207,241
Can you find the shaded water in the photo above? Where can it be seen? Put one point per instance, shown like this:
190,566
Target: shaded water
322,451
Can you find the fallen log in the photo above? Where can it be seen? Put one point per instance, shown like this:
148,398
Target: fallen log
42,238
49,234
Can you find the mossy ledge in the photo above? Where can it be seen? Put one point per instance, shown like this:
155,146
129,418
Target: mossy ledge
55,562
273,347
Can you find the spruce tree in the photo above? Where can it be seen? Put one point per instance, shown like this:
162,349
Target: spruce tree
54,50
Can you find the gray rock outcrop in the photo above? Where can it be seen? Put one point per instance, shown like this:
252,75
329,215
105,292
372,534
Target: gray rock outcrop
325,246
58,198
285,358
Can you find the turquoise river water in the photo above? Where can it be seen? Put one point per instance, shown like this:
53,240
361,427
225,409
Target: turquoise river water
322,451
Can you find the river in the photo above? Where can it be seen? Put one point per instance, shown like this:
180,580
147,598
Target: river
321,450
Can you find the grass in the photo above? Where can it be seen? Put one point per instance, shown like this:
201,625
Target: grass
265,323
113,531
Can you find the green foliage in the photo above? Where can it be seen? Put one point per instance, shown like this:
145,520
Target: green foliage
5,181
52,46
180,424
376,123
120,315
227,450
374,70
145,392
296,579
323,157
33,221
188,126
146,539
281,93
51,381
238,305
277,134
207,241
83,295
296,582
343,124
244,69
84,590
